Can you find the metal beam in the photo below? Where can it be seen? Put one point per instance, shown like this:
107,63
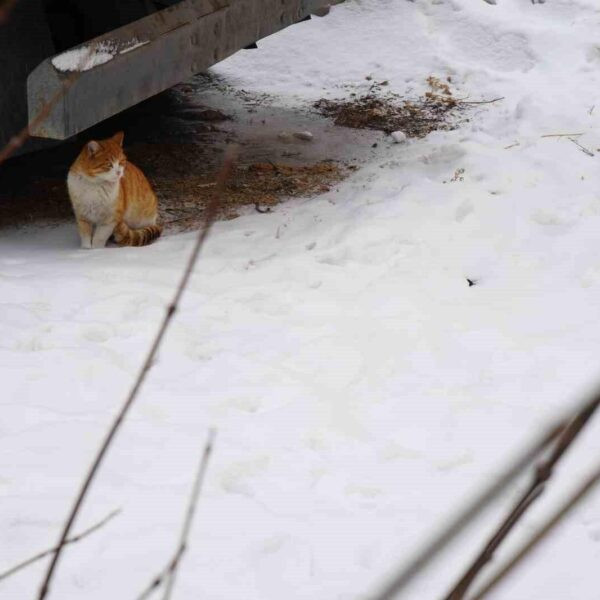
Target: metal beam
178,42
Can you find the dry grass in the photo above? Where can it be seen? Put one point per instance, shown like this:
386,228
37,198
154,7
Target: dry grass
261,185
388,112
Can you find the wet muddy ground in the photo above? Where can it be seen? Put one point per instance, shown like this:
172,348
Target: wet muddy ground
178,139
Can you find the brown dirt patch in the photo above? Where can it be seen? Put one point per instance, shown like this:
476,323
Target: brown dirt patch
43,200
183,178
436,109
178,142
261,185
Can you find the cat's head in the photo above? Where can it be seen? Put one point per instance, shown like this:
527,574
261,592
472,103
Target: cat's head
103,159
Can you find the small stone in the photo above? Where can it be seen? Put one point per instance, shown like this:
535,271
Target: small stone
286,137
307,136
399,137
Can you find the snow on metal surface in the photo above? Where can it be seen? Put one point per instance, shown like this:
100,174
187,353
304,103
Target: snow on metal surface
92,55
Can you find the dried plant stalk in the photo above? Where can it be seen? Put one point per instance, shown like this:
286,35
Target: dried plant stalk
543,473
540,535
169,573
466,515
72,540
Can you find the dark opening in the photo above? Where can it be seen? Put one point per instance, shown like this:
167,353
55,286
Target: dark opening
73,22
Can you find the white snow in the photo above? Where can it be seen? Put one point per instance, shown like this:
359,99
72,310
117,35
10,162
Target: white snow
399,137
134,44
84,58
307,136
361,389
89,56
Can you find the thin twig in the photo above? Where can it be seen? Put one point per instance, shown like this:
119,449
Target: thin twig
169,573
582,148
551,135
275,167
543,472
72,540
541,534
481,101
210,215
178,220
159,579
466,515
189,516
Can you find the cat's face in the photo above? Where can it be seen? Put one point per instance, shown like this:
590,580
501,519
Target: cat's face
104,159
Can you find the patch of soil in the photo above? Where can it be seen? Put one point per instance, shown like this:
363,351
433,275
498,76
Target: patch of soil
183,179
261,185
41,201
178,142
388,112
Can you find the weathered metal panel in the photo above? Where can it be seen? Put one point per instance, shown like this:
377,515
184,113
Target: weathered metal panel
181,40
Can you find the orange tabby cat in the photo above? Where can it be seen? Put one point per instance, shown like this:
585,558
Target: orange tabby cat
110,196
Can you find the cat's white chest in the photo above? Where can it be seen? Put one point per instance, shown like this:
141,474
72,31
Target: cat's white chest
94,201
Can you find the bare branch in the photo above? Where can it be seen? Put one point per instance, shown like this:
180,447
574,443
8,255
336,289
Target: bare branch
159,579
557,135
466,515
582,148
210,215
189,516
543,472
169,573
541,534
481,101
73,540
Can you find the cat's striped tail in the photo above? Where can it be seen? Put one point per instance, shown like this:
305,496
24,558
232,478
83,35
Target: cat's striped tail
125,236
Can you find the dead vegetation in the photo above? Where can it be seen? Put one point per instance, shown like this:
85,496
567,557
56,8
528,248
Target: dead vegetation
261,185
385,111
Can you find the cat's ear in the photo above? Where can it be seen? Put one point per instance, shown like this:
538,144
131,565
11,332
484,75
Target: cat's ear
118,137
93,147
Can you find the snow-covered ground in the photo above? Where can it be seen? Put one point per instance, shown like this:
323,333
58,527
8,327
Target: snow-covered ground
361,389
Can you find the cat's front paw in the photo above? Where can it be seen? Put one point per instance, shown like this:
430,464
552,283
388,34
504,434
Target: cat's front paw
86,245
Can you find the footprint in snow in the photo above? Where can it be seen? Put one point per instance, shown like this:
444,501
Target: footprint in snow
558,219
236,479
